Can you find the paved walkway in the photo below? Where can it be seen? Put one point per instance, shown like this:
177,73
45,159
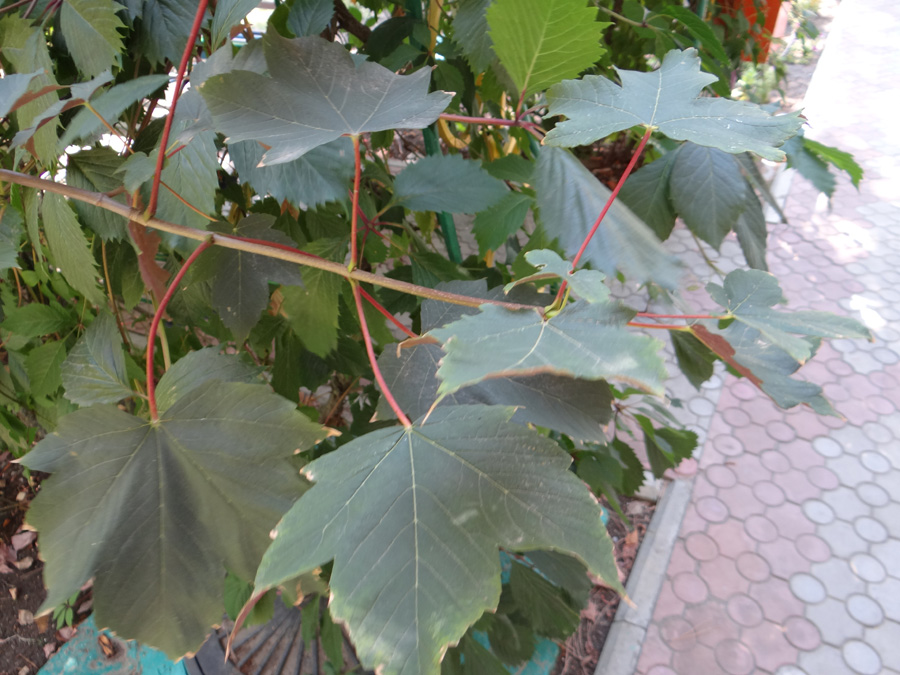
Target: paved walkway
788,558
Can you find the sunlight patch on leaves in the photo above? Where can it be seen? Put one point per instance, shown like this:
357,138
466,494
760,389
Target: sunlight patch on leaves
541,42
414,529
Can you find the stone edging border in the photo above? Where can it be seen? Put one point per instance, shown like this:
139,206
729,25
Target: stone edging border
625,639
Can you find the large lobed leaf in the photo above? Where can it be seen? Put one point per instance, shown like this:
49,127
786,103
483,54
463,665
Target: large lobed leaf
315,94
447,183
94,371
751,295
667,99
157,512
573,406
584,340
413,519
541,42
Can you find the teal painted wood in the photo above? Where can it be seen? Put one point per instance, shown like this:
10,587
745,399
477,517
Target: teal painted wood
82,655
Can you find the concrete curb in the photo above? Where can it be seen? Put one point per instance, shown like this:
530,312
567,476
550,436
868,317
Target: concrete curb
626,635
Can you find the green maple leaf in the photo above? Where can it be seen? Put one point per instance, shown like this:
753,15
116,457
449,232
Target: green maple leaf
541,42
584,340
750,296
447,183
316,93
667,100
575,407
413,519
156,512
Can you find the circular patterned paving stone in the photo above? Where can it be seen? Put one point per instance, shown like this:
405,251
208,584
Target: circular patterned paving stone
761,529
734,657
753,567
868,568
807,588
861,657
802,633
689,588
813,548
818,511
865,610
744,610
712,509
701,546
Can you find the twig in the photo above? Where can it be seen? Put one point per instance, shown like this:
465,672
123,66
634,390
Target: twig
182,67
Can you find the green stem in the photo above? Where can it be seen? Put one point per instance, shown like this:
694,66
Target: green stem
268,249
354,218
623,19
182,67
154,325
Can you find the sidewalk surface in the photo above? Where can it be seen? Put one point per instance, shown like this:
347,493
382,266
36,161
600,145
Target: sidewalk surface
788,558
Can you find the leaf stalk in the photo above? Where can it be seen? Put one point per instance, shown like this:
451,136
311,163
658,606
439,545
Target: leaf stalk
157,317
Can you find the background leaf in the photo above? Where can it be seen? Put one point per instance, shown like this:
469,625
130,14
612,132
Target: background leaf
91,29
95,169
447,183
497,223
666,99
413,573
69,249
164,28
569,200
43,365
309,17
323,174
94,371
240,280
228,14
646,193
541,42
470,31
316,94
708,191
167,507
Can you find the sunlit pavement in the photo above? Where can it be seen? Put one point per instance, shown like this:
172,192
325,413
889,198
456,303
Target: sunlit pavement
788,558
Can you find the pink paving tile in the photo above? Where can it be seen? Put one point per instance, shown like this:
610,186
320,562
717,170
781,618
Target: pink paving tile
783,557
736,417
790,520
813,548
728,445
701,546
796,485
780,431
722,578
655,652
711,623
689,588
668,603
702,488
801,454
807,425
721,476
749,469
775,597
753,566
740,501
754,439
692,522
880,405
735,658
860,386
767,642
712,509
761,529
822,478
857,410
802,633
661,670
762,410
775,461
677,633
700,659
731,538
680,560
768,493
744,610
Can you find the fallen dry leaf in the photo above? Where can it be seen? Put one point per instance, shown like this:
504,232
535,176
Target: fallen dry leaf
25,563
13,592
26,618
23,539
66,633
42,622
